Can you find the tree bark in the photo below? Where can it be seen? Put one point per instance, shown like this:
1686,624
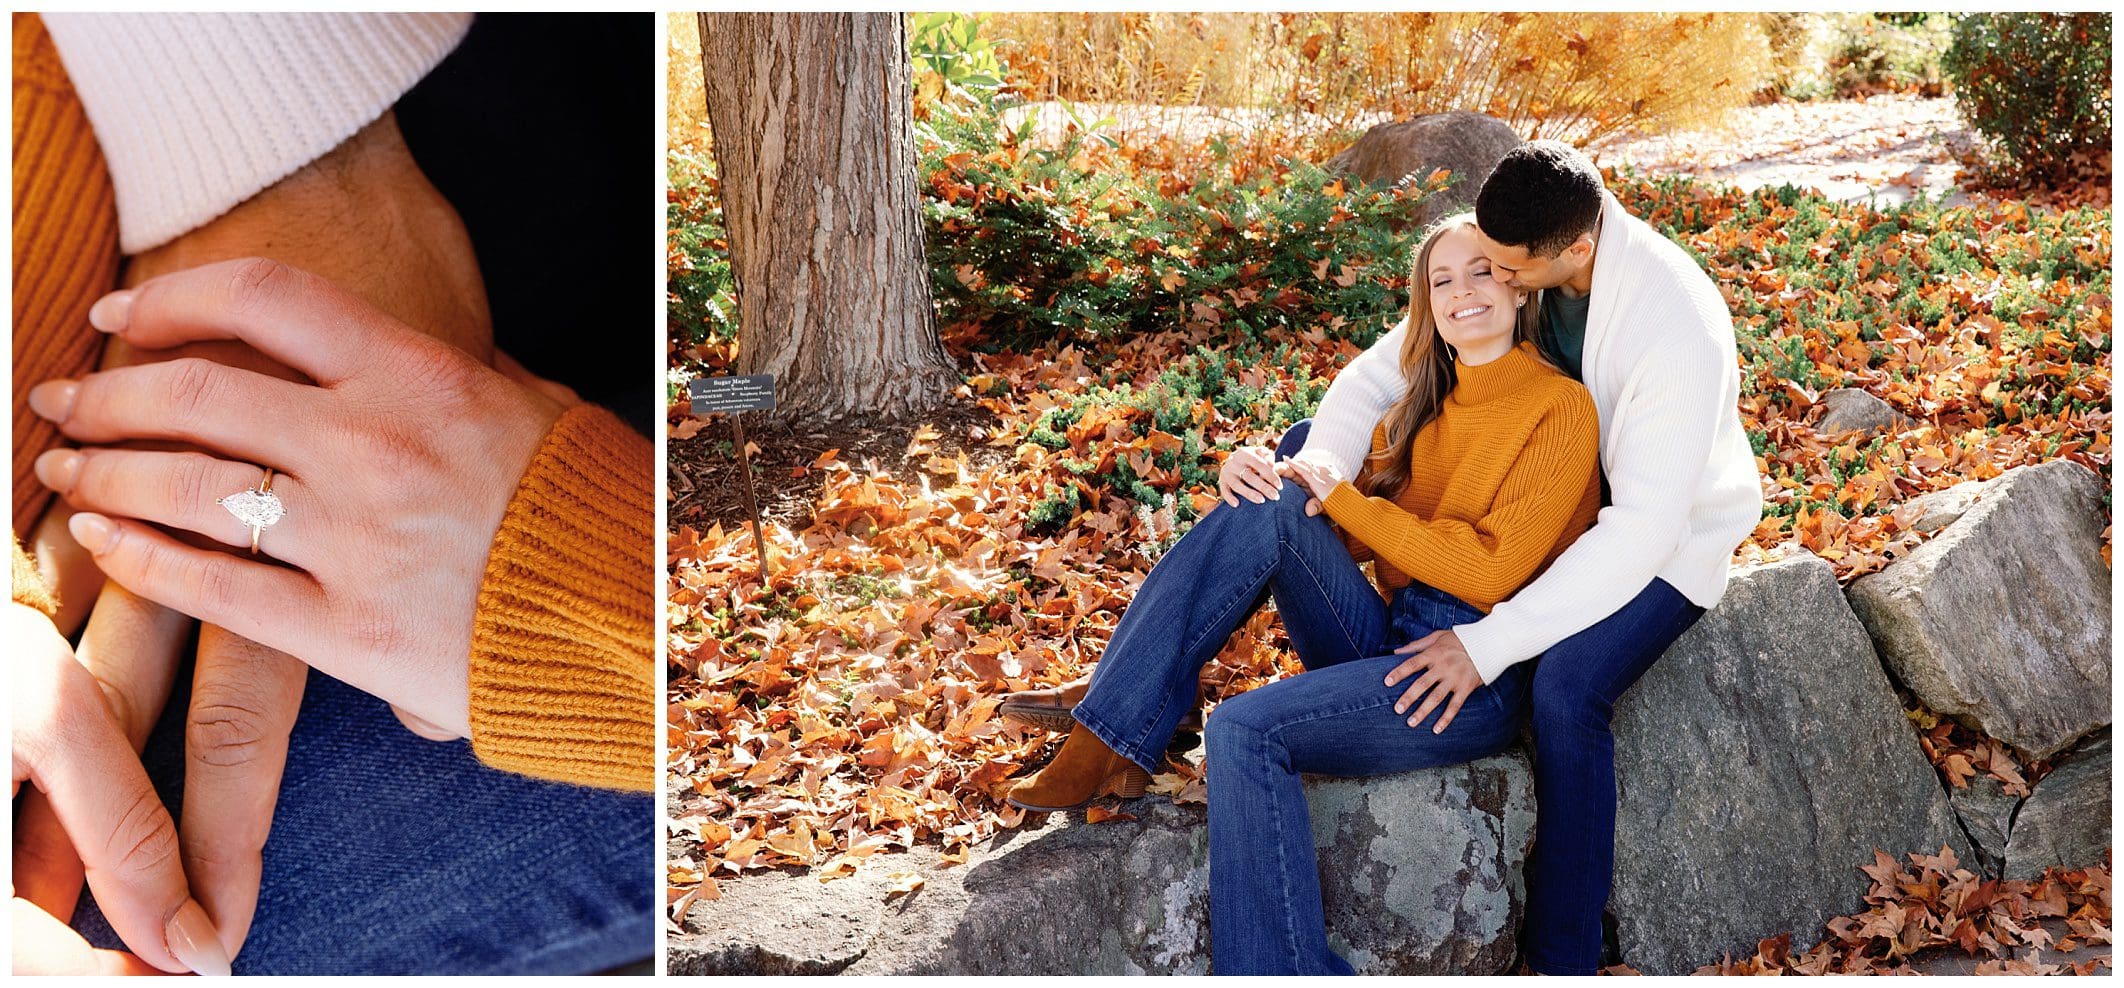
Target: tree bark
814,144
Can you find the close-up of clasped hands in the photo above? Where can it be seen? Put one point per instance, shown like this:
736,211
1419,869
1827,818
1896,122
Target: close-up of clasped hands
330,633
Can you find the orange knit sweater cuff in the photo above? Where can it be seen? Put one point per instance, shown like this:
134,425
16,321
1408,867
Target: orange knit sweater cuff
563,648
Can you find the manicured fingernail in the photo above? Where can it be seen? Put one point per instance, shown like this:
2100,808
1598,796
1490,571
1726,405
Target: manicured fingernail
111,311
192,940
57,468
54,400
93,531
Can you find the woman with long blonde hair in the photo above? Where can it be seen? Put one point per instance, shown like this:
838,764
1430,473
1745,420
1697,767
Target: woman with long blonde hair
1483,473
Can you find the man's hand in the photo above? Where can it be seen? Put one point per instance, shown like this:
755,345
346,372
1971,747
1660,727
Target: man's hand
1448,675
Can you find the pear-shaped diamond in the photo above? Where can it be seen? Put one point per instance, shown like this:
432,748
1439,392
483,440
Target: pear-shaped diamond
257,509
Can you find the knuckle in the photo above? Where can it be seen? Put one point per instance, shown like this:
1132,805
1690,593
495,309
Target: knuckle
257,282
444,377
190,480
206,578
141,839
395,449
190,385
227,725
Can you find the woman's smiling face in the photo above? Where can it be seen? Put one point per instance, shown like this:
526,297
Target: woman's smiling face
1472,309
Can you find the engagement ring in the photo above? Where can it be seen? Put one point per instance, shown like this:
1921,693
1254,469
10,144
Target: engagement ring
258,508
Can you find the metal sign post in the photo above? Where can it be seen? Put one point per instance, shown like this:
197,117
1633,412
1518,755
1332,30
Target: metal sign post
731,396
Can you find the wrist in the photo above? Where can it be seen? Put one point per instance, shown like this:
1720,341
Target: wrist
364,217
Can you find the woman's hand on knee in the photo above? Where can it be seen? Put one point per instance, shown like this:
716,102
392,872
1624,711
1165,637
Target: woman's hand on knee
1250,472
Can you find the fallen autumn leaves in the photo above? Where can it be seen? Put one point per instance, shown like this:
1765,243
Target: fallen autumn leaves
847,707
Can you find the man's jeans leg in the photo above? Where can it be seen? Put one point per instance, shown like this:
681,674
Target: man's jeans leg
1203,589
1575,686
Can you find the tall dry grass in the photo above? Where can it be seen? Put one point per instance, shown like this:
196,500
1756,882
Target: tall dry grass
1579,77
686,96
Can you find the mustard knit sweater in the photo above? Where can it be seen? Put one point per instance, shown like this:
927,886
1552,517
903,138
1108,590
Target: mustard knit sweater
1502,481
562,657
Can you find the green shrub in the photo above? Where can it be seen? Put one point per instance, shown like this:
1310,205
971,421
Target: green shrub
952,59
701,295
1030,245
1176,405
1797,266
2036,85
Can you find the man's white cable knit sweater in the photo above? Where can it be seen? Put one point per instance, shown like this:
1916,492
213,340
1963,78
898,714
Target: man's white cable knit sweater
1661,364
197,112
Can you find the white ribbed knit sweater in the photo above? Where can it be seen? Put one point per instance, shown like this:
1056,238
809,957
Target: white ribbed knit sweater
1661,364
197,112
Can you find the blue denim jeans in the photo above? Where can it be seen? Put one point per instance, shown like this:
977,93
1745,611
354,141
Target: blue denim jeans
1336,718
390,854
1575,686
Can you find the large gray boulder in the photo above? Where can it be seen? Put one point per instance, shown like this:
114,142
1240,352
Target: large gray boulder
2065,821
2001,621
1421,874
1759,763
1464,142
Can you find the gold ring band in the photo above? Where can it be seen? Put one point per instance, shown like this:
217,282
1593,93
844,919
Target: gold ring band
265,486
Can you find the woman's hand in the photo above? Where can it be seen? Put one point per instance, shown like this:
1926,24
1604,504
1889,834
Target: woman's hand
69,746
1319,477
1448,675
394,470
1250,472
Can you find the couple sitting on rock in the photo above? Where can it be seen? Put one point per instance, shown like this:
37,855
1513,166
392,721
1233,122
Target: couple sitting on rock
1485,469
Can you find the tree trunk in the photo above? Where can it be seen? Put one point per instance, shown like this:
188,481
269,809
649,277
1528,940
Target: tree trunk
811,118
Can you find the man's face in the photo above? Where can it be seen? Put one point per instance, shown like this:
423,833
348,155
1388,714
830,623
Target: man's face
1516,267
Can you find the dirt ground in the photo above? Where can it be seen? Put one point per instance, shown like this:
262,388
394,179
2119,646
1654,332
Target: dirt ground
705,487
1884,148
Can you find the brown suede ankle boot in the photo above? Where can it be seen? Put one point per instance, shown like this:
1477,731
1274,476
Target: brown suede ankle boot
1049,709
1082,771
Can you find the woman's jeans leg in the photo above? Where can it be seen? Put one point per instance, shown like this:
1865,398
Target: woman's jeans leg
1204,588
1266,915
390,854
1575,686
